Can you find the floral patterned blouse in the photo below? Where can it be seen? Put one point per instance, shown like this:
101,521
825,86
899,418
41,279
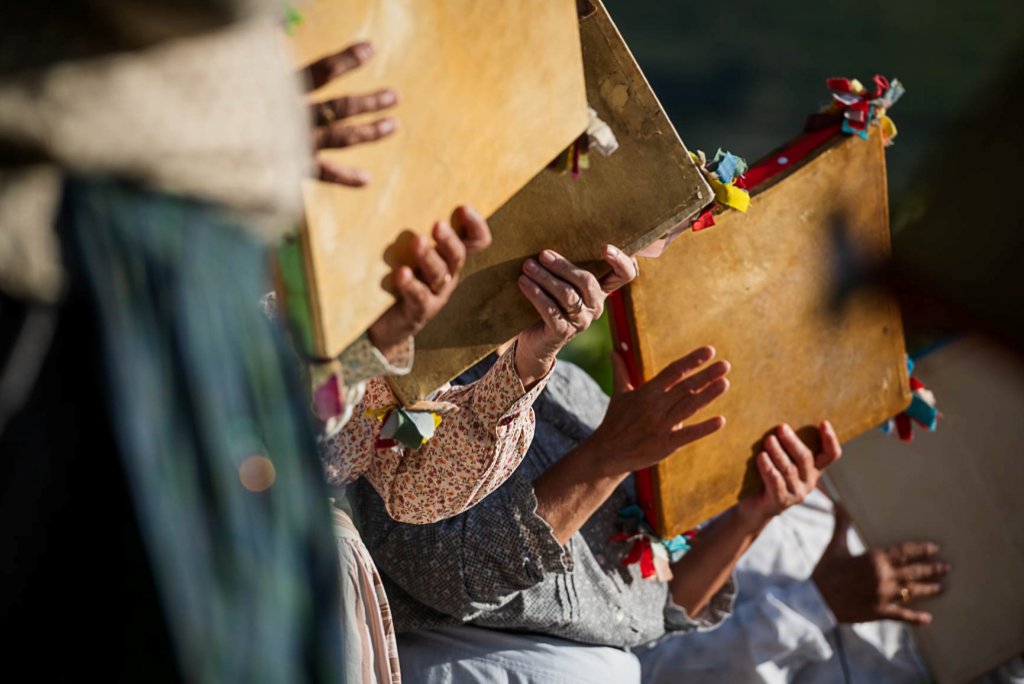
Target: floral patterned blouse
473,451
476,447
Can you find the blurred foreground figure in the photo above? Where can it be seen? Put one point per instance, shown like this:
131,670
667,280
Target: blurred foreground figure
163,511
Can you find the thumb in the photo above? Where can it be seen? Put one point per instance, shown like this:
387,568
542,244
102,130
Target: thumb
620,375
838,546
624,269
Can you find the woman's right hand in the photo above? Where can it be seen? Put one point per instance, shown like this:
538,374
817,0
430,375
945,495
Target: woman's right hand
646,424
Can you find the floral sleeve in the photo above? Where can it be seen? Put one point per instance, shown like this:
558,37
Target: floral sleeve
472,452
338,385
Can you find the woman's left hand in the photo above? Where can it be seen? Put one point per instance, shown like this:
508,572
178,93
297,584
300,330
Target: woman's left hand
568,299
789,470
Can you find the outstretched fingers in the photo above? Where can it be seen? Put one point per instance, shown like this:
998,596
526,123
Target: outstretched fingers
895,611
910,552
324,70
342,134
331,172
679,369
699,390
329,111
691,433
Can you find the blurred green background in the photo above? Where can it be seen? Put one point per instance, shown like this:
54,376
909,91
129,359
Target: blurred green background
743,76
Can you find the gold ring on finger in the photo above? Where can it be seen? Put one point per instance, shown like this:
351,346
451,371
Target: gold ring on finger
327,112
905,594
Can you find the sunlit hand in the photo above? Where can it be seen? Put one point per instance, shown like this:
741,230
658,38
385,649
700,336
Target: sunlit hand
568,299
422,290
789,471
646,424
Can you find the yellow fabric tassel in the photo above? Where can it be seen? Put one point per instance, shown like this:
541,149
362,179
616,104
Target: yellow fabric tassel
888,128
730,196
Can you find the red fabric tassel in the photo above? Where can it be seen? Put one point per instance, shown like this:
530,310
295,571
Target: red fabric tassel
881,85
903,427
705,220
646,559
915,384
640,552
841,85
634,553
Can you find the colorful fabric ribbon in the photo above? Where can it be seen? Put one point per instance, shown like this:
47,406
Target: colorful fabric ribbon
722,173
727,166
859,107
598,136
922,410
653,554
573,158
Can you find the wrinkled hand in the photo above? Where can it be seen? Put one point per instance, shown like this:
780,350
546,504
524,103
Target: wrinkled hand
330,128
879,584
422,291
789,471
568,299
646,424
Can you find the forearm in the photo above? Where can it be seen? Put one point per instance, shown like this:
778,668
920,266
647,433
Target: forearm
570,491
702,572
394,346
530,367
